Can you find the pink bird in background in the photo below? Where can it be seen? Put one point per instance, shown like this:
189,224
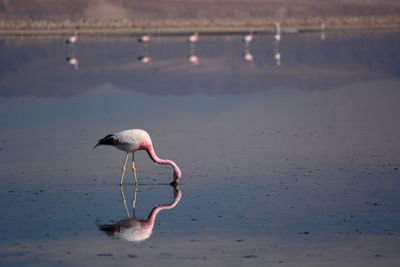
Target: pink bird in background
131,141
145,38
72,39
193,38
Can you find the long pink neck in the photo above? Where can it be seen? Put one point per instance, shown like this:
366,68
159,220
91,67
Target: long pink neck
153,214
156,159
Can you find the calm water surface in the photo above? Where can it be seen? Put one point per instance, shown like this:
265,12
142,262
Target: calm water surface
290,163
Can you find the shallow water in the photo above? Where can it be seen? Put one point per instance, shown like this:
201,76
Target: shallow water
294,164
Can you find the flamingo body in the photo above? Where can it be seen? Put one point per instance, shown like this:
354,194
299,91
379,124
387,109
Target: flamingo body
72,39
145,38
193,38
248,38
133,140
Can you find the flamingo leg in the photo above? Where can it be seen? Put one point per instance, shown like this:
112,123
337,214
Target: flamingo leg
123,169
124,201
133,168
134,202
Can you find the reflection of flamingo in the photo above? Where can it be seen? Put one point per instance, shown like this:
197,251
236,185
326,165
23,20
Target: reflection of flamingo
277,31
72,39
193,38
247,54
74,62
131,141
145,59
248,37
136,230
192,55
145,38
322,31
194,59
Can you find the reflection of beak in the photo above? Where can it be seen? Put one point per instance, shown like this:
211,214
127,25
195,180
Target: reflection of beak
175,183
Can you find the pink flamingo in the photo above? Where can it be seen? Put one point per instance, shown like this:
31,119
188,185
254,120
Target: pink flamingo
134,140
136,230
248,37
72,39
193,38
145,38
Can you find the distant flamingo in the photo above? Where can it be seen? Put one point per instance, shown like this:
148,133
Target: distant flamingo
136,230
277,31
134,140
248,37
145,38
145,59
193,38
72,39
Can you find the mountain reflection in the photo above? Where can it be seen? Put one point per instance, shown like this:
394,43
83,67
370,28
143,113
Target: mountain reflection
33,67
134,229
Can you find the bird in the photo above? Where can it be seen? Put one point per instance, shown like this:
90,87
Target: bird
193,38
278,31
145,38
72,39
131,141
248,37
133,229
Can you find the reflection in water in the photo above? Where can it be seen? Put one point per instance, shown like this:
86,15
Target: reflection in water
277,31
323,37
144,49
310,63
277,54
192,54
134,229
247,54
71,51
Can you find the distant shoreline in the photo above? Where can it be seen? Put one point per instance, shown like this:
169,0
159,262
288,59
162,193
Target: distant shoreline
184,26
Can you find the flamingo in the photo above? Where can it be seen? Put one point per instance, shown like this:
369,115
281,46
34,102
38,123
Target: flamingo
248,37
278,31
193,38
135,230
72,39
145,38
131,141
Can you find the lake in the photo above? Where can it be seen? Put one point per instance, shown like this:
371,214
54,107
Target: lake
289,151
